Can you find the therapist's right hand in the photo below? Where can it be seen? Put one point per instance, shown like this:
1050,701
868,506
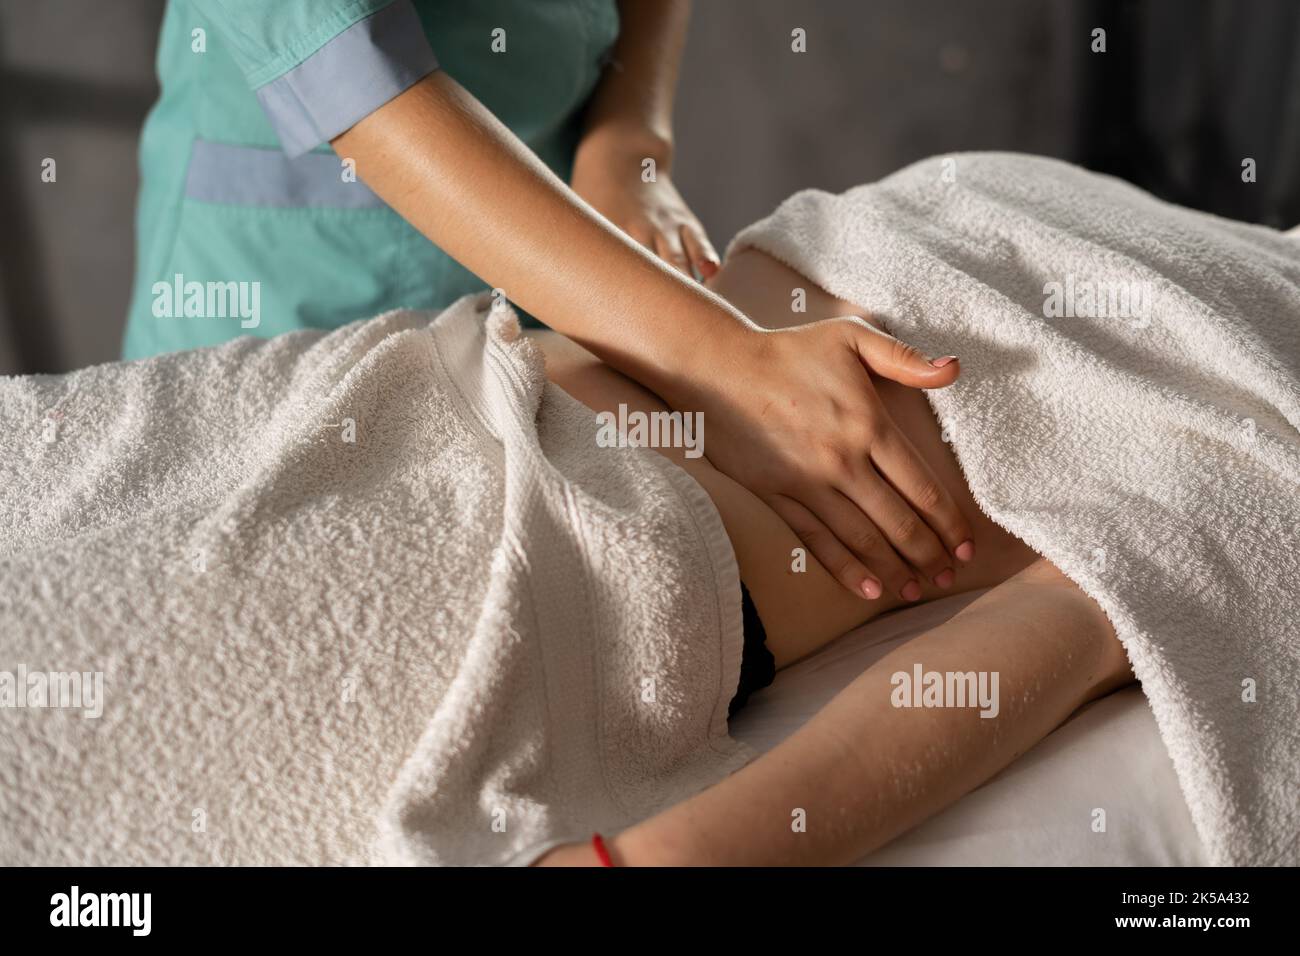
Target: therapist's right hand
793,415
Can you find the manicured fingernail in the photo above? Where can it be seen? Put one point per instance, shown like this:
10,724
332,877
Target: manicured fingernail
941,362
709,268
944,578
965,551
871,589
911,591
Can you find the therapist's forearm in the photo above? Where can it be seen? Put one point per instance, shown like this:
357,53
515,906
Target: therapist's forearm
793,415
440,158
632,108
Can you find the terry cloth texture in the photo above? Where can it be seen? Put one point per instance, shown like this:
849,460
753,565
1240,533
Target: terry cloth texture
375,594
1128,406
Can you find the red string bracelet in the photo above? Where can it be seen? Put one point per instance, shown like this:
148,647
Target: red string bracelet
602,852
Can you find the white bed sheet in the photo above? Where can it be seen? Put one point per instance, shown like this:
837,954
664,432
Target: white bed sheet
1040,810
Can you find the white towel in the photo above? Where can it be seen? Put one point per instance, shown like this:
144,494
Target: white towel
370,595
1153,456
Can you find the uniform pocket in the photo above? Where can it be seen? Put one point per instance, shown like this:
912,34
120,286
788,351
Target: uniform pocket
265,245
266,178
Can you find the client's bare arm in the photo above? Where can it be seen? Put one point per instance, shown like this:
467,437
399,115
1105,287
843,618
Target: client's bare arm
862,771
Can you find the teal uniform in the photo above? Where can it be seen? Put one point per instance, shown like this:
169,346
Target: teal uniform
249,224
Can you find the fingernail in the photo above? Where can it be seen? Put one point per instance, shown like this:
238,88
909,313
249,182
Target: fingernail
871,589
941,362
944,578
965,551
911,591
709,268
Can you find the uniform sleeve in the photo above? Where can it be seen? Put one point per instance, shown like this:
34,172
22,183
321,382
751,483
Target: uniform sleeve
320,66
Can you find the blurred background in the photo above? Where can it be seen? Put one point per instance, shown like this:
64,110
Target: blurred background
1185,91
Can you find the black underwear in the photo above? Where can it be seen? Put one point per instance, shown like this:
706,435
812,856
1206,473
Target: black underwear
757,666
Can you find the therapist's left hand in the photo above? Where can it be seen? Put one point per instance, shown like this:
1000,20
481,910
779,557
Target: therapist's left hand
616,181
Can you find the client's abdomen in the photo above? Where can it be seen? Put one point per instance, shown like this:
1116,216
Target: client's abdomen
801,609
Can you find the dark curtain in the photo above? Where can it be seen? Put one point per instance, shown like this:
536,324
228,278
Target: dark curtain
1186,91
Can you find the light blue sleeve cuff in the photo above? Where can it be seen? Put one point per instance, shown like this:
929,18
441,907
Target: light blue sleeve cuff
348,78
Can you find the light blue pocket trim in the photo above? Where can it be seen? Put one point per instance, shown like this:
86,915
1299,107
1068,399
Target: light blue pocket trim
348,78
250,176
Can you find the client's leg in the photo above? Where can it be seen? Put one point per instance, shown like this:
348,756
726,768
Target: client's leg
863,770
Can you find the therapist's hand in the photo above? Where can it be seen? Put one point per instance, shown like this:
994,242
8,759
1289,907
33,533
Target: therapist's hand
612,177
790,414
793,415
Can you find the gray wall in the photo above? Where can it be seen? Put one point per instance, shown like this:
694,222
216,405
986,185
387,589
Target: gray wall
884,82
76,78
